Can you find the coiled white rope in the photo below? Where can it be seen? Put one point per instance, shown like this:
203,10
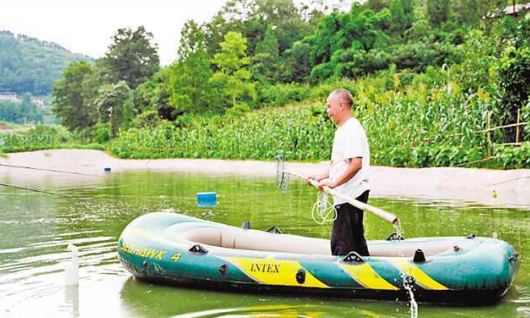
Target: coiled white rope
323,210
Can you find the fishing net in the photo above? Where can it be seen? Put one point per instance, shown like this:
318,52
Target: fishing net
282,179
323,210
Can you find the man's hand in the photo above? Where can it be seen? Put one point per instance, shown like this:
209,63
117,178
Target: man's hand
326,183
308,180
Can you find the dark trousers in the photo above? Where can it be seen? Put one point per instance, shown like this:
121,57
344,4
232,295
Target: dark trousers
348,231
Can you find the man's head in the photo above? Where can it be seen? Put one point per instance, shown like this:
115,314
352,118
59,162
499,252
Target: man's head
339,105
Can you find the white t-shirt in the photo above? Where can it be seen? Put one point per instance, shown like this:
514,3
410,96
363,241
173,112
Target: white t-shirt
350,142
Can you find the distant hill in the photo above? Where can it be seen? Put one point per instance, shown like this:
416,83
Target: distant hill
31,65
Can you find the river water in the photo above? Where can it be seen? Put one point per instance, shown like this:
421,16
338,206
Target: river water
35,229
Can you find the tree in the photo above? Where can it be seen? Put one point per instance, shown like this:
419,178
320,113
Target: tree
132,57
252,17
266,59
28,110
114,105
68,97
90,87
514,82
296,63
471,11
153,96
438,11
233,77
10,112
402,15
189,88
286,20
340,35
376,5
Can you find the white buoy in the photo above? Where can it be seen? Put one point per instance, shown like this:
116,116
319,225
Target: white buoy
71,269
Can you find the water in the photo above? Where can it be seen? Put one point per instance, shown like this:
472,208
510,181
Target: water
36,229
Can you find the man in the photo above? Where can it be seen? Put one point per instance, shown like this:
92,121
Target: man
347,174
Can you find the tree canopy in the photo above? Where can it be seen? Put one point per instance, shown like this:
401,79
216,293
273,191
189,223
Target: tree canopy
132,57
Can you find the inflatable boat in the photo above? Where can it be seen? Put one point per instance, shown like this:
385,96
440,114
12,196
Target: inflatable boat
176,249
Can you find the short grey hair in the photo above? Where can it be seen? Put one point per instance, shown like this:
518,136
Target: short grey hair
344,95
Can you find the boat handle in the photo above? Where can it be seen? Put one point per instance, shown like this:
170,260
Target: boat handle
353,257
197,248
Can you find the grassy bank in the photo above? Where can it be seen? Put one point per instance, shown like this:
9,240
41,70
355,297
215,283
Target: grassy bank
40,137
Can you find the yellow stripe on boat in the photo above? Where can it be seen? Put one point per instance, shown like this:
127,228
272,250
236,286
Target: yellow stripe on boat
275,272
421,278
365,275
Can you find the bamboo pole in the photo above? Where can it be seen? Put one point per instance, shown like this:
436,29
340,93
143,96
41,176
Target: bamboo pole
476,161
489,135
517,128
387,216
483,130
499,127
510,144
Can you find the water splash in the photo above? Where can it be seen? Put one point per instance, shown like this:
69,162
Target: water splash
407,284
408,281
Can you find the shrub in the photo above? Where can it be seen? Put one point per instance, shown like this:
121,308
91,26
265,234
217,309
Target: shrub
282,94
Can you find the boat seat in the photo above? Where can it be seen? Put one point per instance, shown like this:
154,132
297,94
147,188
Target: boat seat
236,238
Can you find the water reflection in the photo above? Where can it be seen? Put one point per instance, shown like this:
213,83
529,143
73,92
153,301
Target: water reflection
145,300
71,300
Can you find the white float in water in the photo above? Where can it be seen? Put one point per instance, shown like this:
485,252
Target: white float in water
71,269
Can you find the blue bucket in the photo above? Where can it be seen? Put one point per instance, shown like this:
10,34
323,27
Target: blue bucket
206,199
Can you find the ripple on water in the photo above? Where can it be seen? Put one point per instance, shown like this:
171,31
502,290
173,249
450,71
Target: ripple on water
25,273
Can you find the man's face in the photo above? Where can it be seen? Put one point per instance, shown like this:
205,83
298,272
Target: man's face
334,109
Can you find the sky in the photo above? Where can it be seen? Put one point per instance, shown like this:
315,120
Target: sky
86,27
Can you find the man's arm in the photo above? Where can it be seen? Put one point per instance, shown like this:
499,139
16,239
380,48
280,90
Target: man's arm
354,166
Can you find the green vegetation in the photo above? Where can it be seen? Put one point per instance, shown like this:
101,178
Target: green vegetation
23,112
28,65
43,137
431,79
303,132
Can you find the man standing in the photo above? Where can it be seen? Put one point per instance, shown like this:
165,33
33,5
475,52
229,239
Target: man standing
347,174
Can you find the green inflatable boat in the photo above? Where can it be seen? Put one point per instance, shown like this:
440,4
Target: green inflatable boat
172,248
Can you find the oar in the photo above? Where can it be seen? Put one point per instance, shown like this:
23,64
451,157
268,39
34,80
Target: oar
387,216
